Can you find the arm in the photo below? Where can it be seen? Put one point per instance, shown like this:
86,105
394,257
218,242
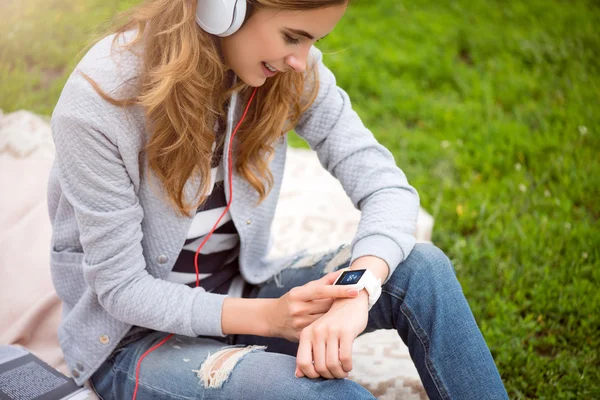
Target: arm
367,171
94,178
246,316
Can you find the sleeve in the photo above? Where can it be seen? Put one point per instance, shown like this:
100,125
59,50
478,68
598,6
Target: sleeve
94,179
367,171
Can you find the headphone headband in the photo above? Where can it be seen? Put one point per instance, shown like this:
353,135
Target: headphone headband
221,17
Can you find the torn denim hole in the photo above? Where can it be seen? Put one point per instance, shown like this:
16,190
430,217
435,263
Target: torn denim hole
277,279
310,260
213,375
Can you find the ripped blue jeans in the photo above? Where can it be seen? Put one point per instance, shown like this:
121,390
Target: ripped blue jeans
422,300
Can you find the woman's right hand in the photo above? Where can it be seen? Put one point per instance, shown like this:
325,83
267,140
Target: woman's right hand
302,305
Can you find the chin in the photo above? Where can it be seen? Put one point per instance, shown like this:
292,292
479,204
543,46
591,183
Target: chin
255,82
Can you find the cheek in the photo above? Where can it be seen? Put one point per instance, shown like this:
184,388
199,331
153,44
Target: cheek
255,44
247,50
268,46
240,54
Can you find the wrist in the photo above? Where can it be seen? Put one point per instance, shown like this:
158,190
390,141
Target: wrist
267,326
365,278
362,298
364,295
376,265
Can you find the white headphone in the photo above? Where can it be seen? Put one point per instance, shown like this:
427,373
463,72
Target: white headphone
221,17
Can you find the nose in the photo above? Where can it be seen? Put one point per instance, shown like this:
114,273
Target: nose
297,62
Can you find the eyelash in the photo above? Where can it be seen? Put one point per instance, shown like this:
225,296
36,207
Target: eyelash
290,39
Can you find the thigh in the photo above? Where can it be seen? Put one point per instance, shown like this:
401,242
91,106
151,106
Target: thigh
305,269
193,368
166,372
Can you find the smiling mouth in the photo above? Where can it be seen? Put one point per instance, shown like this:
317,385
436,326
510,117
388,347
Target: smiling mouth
269,67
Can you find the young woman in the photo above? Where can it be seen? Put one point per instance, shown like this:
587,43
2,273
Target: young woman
170,146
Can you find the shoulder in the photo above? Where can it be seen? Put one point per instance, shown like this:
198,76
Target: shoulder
113,68
111,65
115,71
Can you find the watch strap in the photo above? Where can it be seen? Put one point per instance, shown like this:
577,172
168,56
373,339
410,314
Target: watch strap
372,285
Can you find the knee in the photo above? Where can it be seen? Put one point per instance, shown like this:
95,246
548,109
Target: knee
428,266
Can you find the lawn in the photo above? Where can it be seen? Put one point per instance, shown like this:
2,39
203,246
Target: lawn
491,109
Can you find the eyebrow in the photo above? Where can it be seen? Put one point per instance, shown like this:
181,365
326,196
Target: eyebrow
303,33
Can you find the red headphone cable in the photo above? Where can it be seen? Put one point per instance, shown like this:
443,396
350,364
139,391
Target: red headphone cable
230,170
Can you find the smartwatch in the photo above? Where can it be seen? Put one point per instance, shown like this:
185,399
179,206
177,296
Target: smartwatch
362,279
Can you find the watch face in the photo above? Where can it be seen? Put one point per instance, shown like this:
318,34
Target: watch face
350,277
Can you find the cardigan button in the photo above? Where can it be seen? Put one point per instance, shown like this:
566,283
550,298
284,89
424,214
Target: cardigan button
162,259
104,339
75,373
79,366
248,222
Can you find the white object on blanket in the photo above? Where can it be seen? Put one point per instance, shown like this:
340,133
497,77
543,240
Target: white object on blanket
23,134
313,212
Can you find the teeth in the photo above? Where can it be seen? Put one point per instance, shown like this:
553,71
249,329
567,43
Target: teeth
269,67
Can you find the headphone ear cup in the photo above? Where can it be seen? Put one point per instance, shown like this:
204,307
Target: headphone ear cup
221,17
239,15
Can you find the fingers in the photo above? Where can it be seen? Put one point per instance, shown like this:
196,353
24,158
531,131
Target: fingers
313,292
333,358
326,357
330,277
345,355
304,365
323,358
322,292
319,357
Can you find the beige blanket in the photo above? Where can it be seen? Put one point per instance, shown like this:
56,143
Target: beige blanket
313,213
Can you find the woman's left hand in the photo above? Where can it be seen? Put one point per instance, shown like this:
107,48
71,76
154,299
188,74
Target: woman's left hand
328,340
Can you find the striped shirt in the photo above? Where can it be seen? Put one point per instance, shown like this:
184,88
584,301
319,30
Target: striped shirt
218,266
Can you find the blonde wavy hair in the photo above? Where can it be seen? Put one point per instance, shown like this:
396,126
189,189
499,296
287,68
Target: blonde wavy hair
181,88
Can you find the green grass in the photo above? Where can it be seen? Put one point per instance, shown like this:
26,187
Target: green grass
491,109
